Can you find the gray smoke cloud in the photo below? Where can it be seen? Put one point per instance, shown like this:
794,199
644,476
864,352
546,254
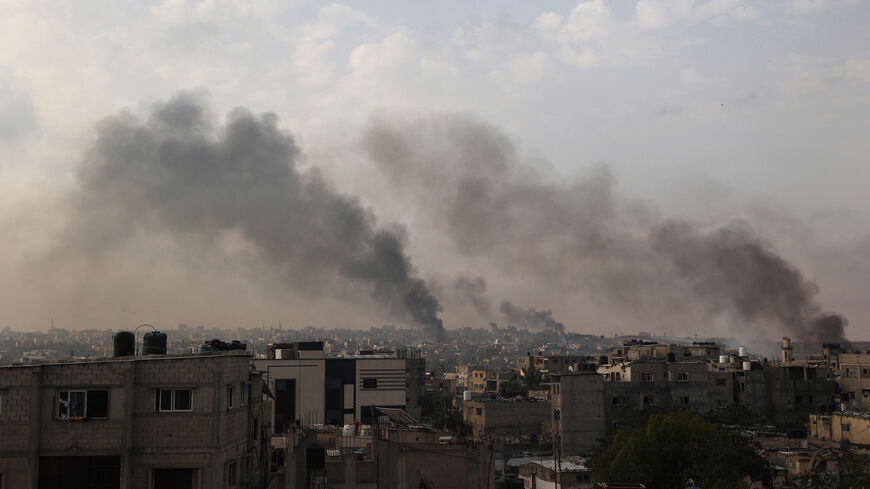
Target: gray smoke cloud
731,268
177,173
530,318
472,289
576,234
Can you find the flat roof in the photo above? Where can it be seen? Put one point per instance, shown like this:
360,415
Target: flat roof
131,358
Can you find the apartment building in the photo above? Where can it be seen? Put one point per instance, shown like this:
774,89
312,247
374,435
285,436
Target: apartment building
311,388
587,405
136,422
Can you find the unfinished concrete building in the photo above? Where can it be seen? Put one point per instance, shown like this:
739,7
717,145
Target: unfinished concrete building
134,422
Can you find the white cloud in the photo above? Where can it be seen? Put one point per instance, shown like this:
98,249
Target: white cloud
657,14
529,68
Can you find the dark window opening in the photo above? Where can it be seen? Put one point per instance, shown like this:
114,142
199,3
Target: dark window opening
83,404
370,383
79,473
285,404
174,478
173,400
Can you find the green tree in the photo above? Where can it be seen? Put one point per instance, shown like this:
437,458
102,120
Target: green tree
737,414
512,387
673,447
532,378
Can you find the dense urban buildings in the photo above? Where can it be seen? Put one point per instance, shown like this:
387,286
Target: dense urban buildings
264,411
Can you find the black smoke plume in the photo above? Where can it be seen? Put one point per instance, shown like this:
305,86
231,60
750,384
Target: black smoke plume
530,318
179,174
575,234
730,268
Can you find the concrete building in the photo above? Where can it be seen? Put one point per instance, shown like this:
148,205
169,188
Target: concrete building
312,388
138,422
854,427
854,379
587,405
568,473
551,363
503,417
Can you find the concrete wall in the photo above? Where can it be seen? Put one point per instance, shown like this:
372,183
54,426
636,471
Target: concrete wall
841,426
579,417
500,417
206,438
391,383
310,376
854,379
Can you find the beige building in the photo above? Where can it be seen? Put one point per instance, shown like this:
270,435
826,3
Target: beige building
854,380
313,389
143,422
853,427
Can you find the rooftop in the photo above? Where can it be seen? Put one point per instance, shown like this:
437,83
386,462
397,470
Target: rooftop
132,358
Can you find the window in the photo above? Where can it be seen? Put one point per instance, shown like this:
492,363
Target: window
232,473
722,403
243,394
81,404
720,382
229,397
619,401
647,377
372,383
479,411
649,401
174,478
256,428
174,400
683,377
684,400
847,427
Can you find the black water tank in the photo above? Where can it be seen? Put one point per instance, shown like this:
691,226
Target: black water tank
154,343
602,360
315,457
672,357
125,344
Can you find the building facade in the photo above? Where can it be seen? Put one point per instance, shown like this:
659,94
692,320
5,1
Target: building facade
311,388
146,422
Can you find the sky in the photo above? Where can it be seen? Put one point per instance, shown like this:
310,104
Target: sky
513,152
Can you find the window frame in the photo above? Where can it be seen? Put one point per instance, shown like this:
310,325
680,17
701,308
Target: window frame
173,408
243,394
371,383
647,377
84,409
230,396
682,377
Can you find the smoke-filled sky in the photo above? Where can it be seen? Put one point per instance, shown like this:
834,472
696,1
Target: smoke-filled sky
674,166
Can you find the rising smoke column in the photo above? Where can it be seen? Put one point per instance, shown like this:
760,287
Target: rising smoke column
472,289
178,173
576,234
530,318
731,269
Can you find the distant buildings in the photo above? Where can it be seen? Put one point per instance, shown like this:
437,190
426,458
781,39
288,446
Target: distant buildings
589,404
